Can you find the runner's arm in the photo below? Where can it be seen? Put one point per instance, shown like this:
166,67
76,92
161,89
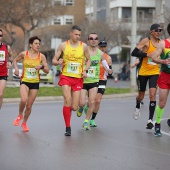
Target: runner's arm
44,65
55,60
20,57
10,59
87,55
137,52
155,55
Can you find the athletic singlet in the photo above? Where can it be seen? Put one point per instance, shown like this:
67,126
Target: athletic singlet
73,60
3,60
29,73
148,67
94,69
103,72
165,54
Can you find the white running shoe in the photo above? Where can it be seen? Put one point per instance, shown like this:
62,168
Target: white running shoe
136,114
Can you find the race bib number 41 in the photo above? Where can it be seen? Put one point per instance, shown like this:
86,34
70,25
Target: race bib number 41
73,68
31,73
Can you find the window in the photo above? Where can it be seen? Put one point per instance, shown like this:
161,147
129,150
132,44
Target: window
69,2
57,2
68,19
57,21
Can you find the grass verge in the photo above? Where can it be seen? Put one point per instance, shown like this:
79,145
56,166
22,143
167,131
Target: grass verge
13,92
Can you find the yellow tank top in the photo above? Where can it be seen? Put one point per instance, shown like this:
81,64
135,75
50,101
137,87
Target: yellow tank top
73,60
148,67
30,74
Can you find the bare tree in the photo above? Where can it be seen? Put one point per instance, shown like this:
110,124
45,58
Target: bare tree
25,14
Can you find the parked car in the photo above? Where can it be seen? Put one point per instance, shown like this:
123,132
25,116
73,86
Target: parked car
47,78
20,71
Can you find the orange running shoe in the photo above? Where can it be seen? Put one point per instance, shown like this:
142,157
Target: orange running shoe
17,120
24,127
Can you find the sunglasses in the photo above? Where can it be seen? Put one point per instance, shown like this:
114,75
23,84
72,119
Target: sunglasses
91,38
1,35
158,30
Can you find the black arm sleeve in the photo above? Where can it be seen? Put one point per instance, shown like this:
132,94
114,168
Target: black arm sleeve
137,53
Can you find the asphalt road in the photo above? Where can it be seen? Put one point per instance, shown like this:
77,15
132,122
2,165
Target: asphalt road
118,143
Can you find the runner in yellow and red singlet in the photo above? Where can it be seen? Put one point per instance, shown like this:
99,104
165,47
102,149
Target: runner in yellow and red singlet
162,56
33,61
75,54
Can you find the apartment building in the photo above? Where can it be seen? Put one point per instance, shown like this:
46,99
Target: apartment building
117,14
55,28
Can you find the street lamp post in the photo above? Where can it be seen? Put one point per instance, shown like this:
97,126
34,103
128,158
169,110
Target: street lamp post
133,45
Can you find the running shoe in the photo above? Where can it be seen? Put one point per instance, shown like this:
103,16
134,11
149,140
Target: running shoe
24,127
168,122
92,123
68,131
85,126
79,112
17,120
136,114
85,109
149,124
158,130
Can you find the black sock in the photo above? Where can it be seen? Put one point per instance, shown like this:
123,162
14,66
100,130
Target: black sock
152,106
138,104
93,116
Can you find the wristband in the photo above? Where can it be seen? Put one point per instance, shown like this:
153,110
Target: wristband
42,66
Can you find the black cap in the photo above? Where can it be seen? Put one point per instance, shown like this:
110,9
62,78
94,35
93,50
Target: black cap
102,44
155,27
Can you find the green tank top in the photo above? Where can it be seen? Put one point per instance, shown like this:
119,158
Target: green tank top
94,69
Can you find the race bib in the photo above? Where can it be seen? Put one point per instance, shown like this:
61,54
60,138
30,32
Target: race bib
73,68
2,55
151,62
91,71
31,73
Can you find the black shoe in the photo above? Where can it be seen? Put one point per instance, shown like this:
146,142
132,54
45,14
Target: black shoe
68,131
149,124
